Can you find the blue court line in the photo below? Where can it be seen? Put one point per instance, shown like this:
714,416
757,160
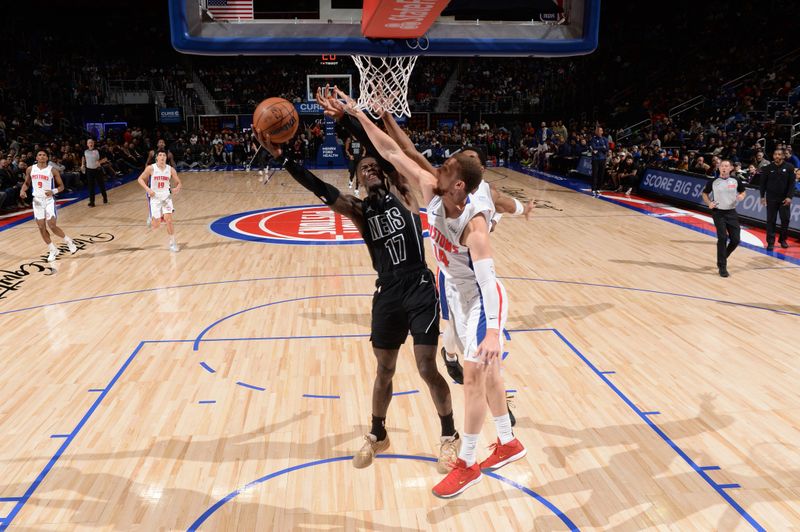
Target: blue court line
511,391
663,436
505,333
653,413
60,435
41,476
710,468
207,402
577,186
99,390
251,386
229,497
189,285
10,499
409,392
270,304
207,367
728,486
34,485
505,354
315,396
607,372
529,279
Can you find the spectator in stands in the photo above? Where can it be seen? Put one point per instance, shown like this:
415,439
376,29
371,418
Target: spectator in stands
700,166
761,161
791,157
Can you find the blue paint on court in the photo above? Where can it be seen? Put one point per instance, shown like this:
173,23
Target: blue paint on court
207,402
250,485
207,367
251,386
409,392
315,396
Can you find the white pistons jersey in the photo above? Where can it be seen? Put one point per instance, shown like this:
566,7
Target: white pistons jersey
452,257
159,180
41,180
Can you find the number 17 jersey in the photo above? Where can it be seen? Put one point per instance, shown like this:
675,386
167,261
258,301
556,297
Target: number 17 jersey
393,235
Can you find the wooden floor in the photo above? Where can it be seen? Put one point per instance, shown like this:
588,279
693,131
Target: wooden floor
225,386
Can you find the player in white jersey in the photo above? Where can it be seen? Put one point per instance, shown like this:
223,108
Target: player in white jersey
45,182
155,180
478,303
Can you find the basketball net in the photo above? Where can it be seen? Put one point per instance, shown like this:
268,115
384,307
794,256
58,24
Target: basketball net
383,84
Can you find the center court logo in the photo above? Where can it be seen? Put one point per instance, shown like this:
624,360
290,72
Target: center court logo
314,225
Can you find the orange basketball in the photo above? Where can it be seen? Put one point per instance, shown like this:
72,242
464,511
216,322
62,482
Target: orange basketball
276,117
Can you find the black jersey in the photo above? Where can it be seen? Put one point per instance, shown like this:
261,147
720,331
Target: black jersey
393,235
355,147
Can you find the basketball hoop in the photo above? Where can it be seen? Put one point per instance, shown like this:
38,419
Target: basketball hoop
383,84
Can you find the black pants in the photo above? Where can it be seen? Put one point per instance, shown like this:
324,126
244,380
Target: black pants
773,208
95,176
351,166
727,223
598,173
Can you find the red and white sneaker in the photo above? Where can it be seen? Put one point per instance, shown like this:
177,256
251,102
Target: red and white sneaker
458,479
503,454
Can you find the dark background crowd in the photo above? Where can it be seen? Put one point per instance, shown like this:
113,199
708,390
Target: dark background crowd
731,93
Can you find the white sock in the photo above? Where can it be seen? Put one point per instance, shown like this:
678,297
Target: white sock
52,247
172,239
468,444
451,358
67,239
503,426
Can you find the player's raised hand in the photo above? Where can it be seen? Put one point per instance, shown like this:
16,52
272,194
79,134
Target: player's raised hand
330,105
349,103
273,149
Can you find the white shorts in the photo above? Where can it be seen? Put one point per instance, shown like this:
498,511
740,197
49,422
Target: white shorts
44,208
462,307
160,205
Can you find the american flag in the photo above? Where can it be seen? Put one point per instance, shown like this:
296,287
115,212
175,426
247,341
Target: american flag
231,9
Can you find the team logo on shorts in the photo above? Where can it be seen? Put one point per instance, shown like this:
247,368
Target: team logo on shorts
304,224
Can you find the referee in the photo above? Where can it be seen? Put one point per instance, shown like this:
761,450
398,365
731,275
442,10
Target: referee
727,191
94,174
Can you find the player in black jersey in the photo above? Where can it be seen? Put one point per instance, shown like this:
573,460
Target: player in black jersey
405,298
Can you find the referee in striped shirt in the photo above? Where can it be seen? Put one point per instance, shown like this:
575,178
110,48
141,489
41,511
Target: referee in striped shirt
721,195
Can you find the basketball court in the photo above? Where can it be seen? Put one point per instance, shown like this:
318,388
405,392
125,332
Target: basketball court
227,386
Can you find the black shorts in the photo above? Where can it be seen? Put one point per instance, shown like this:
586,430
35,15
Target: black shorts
405,303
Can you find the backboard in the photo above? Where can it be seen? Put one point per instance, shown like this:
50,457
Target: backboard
311,27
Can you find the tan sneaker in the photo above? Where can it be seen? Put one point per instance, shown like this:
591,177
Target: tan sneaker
448,454
372,446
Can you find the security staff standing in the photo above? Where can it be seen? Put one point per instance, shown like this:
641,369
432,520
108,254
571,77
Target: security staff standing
777,183
727,191
599,146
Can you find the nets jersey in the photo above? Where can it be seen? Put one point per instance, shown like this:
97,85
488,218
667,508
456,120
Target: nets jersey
41,180
453,258
159,180
393,235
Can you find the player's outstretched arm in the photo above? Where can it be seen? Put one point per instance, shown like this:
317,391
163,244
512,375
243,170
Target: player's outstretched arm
505,204
346,205
389,149
476,238
394,130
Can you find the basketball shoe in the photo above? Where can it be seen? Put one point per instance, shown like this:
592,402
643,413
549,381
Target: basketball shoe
372,446
503,454
71,245
448,453
458,479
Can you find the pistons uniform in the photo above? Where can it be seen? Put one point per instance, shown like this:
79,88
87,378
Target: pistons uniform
405,298
161,202
44,207
460,295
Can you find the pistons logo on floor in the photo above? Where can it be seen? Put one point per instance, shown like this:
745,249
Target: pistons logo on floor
303,224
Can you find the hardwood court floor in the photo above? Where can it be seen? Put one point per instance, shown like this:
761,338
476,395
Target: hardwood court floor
224,386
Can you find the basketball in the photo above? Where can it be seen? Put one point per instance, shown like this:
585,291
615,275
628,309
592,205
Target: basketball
276,117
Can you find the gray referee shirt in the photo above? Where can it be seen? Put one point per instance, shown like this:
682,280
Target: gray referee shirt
91,156
724,191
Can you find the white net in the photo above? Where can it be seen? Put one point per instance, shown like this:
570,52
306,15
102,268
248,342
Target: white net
383,84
